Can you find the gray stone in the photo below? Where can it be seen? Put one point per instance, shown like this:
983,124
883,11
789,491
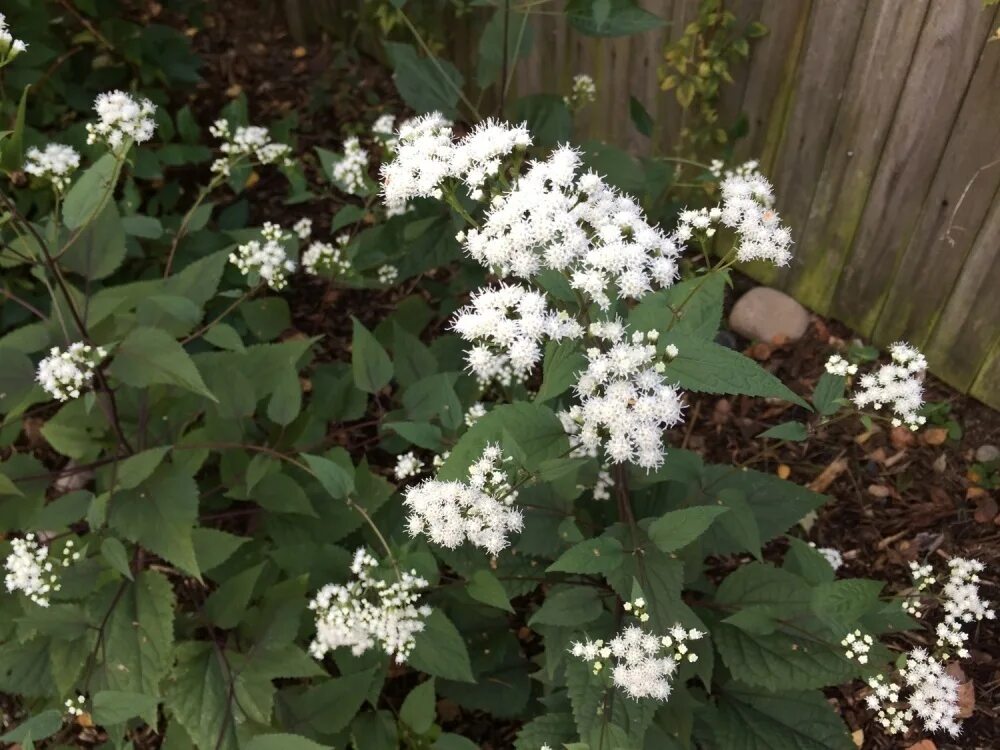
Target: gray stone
765,314
986,453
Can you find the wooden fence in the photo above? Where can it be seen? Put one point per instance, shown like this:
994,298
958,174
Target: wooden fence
879,123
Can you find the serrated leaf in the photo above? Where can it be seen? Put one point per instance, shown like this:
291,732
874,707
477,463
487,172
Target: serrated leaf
484,587
198,696
587,693
563,362
829,390
418,710
35,728
283,742
553,729
791,431
567,605
88,192
692,307
679,528
440,650
136,468
149,356
370,362
226,605
114,552
590,556
118,706
329,706
335,479
426,84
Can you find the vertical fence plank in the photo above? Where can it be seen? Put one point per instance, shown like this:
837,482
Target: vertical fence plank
645,58
950,44
731,99
987,384
969,325
955,207
888,35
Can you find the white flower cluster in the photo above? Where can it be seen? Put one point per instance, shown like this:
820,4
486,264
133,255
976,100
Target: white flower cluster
831,555
31,571
367,611
578,225
857,645
9,46
251,141
55,163
322,257
584,92
268,259
837,365
76,707
747,209
351,170
898,384
625,401
387,274
644,663
121,120
384,129
408,465
507,326
475,412
962,604
479,155
303,228
480,511
64,374
933,697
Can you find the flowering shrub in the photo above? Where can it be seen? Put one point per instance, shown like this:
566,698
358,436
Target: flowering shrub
194,554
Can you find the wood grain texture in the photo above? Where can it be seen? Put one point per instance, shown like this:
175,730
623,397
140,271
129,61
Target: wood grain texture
950,44
882,56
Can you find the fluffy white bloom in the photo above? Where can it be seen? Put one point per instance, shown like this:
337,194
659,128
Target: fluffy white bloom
962,604
408,465
832,556
474,413
368,611
31,571
479,155
384,127
584,92
423,160
644,663
857,645
578,225
625,401
9,46
268,258
55,163
508,326
480,511
303,228
121,119
64,374
837,365
387,274
322,257
351,170
249,141
898,384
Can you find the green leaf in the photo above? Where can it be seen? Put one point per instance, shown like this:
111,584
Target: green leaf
554,729
139,635
843,603
563,363
335,480
490,61
610,18
198,696
160,514
7,487
146,227
89,192
329,706
12,155
375,730
829,390
118,706
267,317
679,528
17,378
692,307
114,552
640,117
484,587
440,650
419,708
547,117
100,249
224,336
411,359
422,434
283,742
370,362
449,741
149,356
213,547
34,728
280,493
567,605
791,431
748,719
590,556
806,561
740,524
434,396
592,710
228,603
425,83
707,367
137,467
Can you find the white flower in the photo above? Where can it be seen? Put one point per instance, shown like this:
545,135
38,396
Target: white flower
367,611
475,412
9,46
322,257
384,126
76,707
837,365
55,163
387,274
625,401
268,259
303,228
423,159
64,374
832,556
508,326
250,141
898,385
31,571
408,465
857,645
121,120
351,170
584,92
480,511
479,155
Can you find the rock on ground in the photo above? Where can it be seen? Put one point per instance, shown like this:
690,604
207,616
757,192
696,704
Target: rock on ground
765,314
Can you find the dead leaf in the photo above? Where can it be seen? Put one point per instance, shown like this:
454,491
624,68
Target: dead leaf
84,720
760,351
828,475
974,493
986,509
858,735
878,490
784,471
940,464
923,745
253,179
934,435
901,437
233,91
966,690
